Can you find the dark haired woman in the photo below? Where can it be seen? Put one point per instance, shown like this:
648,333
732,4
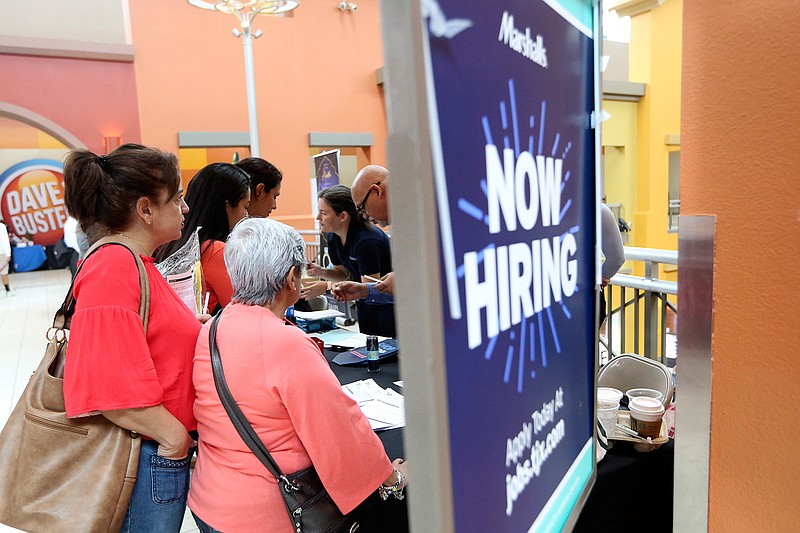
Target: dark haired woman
359,251
218,197
141,382
265,185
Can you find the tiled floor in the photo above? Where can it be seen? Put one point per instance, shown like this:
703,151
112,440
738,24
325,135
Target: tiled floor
24,319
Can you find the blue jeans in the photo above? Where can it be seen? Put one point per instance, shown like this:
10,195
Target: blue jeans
202,526
159,495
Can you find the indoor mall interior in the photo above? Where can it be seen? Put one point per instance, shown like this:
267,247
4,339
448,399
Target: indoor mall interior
683,98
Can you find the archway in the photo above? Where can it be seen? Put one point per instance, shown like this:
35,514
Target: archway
38,121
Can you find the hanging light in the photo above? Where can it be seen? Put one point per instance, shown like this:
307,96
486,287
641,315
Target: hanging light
246,10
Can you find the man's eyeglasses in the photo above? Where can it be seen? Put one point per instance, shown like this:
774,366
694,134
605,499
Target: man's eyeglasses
360,207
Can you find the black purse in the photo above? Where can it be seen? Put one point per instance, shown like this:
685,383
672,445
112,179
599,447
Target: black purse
310,507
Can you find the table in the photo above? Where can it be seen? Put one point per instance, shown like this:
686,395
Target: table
392,512
27,258
390,372
628,482
633,492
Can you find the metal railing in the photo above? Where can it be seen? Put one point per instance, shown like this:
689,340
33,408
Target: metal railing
638,306
311,238
316,249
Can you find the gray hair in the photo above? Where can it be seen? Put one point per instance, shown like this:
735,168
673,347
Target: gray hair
259,254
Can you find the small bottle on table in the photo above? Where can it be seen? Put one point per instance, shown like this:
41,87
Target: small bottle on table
373,360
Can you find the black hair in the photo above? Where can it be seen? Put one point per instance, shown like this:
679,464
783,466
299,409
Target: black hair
340,199
101,191
261,171
206,195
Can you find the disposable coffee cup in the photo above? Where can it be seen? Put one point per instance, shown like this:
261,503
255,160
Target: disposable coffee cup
646,415
608,397
607,408
607,416
638,392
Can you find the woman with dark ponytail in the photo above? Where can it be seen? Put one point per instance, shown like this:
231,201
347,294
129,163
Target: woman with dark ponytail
141,382
218,197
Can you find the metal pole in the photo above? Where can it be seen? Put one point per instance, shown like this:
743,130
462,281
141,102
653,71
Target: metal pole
247,41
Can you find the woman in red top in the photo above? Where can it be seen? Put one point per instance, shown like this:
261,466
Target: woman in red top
141,382
218,197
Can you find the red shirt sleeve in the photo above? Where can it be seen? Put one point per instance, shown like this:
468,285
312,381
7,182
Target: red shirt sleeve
108,364
215,275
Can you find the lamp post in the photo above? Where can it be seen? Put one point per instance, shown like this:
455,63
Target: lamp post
245,11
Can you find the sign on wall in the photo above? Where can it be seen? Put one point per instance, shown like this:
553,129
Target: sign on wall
326,169
32,200
511,95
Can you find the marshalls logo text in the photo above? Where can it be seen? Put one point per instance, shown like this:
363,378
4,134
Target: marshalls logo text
521,42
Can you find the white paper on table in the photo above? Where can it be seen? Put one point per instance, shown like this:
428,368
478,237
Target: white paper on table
399,383
357,392
318,315
364,390
343,337
375,390
384,415
333,336
395,399
384,408
355,340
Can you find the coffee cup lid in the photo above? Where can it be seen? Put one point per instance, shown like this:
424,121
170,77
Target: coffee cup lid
608,395
645,404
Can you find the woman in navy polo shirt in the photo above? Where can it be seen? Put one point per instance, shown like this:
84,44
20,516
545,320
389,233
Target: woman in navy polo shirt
357,248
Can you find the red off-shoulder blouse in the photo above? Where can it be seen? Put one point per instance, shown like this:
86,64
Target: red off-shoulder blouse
111,364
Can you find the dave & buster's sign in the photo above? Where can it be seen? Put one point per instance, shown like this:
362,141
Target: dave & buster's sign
32,200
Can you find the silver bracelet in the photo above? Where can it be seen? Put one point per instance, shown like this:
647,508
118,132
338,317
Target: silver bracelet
395,489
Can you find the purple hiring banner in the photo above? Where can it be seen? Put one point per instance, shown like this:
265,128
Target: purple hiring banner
511,100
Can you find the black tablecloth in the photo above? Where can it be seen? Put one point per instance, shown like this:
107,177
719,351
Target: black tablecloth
633,491
392,439
390,515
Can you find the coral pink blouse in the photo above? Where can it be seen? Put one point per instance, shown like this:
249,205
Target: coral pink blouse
110,363
290,396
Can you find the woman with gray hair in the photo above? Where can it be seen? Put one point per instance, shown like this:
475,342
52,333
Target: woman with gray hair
287,392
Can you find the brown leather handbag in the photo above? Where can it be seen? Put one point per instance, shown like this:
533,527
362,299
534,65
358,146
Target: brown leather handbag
66,474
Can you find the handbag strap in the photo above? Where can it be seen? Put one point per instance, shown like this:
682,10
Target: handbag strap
63,316
240,422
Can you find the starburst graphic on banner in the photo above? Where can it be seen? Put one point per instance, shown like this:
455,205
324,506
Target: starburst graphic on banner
527,343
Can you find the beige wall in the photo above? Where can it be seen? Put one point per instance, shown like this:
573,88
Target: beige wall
102,21
740,161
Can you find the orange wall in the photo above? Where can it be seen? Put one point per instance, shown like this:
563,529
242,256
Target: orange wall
740,159
314,72
90,99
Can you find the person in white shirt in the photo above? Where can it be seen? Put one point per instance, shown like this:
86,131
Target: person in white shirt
71,241
613,251
5,258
